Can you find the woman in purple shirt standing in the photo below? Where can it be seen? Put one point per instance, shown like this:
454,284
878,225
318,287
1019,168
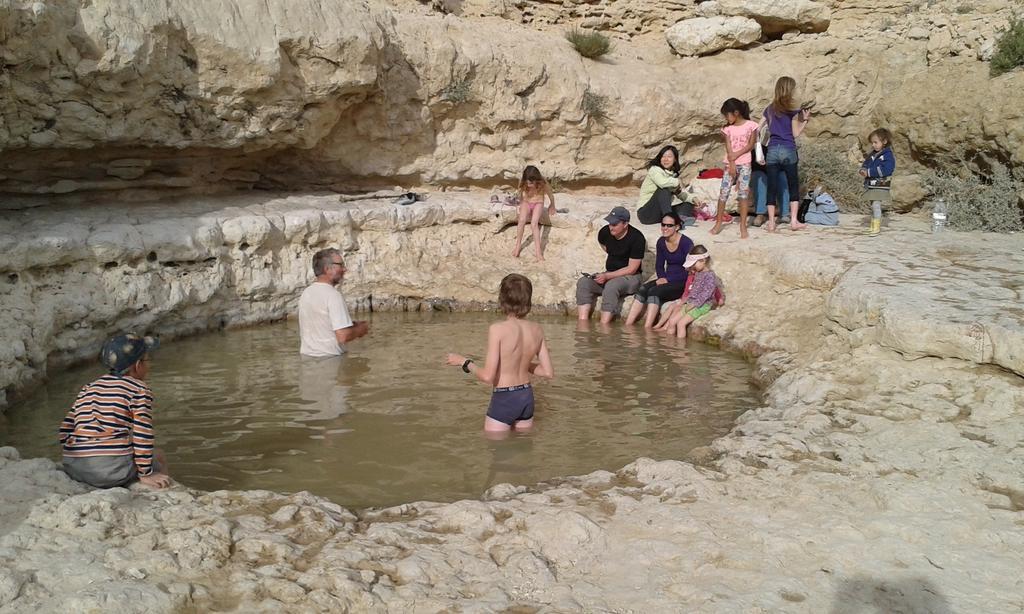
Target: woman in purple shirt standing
670,276
785,122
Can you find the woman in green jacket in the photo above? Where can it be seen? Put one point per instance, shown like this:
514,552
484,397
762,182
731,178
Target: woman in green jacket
659,188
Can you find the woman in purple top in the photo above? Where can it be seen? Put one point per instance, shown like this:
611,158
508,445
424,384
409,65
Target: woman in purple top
785,123
670,276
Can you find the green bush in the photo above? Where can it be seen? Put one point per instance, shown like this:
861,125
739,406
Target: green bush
595,106
589,44
826,165
1009,53
457,91
980,202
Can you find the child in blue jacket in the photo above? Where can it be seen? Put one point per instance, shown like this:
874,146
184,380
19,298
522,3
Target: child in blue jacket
877,170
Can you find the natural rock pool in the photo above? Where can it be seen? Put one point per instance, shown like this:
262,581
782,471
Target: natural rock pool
389,423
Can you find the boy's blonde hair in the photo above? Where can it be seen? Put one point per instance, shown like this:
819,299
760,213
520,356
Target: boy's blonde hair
785,89
515,295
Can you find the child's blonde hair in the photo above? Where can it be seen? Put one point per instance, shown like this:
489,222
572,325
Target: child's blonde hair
785,89
883,135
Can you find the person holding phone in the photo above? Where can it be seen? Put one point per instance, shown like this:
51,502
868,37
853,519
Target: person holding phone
625,246
784,122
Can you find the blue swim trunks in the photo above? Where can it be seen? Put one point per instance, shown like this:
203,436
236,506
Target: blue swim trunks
511,404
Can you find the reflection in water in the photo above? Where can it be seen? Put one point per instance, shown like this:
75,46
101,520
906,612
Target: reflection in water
387,423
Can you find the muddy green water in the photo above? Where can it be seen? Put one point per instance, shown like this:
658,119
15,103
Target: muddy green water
389,423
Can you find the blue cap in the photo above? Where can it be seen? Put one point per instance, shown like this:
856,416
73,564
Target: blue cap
119,353
618,214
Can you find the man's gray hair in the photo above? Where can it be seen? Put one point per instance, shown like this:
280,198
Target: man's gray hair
322,259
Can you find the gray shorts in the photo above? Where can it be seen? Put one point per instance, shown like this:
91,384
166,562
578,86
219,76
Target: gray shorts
104,471
612,292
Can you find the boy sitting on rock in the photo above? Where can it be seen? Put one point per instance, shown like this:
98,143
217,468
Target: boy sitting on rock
107,437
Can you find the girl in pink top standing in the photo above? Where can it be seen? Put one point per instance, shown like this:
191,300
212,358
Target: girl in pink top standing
740,135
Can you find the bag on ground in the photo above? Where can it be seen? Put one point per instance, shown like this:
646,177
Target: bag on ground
821,210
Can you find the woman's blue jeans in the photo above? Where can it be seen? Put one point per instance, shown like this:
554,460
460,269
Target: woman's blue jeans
784,159
759,192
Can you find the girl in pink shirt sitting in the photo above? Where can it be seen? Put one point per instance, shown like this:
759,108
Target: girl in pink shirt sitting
740,134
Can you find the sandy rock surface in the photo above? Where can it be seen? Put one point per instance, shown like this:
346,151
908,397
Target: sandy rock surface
883,473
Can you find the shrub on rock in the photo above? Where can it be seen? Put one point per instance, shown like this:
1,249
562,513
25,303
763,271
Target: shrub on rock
704,35
589,44
595,106
824,164
1009,52
990,202
457,91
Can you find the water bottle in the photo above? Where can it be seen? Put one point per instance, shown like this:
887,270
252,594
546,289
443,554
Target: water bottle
939,216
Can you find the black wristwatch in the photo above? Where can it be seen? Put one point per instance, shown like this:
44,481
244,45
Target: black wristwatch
465,365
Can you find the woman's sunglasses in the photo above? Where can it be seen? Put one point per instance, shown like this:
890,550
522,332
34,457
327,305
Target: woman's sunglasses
664,225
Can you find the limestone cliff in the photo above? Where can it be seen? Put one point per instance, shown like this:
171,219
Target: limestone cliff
192,96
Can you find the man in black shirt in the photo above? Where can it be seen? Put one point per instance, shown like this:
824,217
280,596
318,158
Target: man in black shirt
625,246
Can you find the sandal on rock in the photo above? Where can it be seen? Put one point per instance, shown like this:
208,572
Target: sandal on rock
406,199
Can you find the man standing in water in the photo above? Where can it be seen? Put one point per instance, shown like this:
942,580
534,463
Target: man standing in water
324,323
625,246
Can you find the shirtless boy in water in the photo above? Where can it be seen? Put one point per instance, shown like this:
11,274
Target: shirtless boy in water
512,345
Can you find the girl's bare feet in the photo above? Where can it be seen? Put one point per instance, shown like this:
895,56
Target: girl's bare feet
743,233
770,226
717,229
795,225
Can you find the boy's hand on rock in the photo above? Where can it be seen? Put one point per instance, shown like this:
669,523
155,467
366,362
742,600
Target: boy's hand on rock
863,173
156,480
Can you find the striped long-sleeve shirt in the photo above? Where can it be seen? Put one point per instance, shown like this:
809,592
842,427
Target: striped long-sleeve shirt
112,416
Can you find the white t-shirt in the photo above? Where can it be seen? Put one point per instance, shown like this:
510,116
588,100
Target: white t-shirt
322,311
